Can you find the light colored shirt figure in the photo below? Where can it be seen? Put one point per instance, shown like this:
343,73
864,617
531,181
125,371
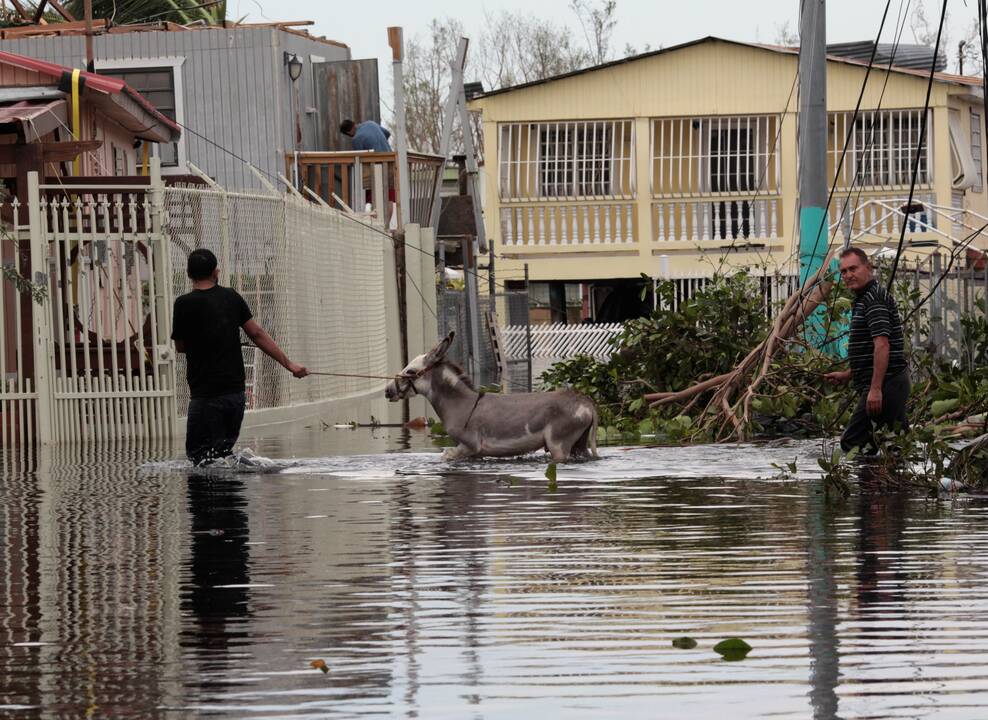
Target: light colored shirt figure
368,135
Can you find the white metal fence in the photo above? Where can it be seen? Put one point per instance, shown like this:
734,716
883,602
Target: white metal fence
92,361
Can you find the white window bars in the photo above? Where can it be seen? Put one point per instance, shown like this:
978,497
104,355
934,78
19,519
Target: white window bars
881,148
719,155
976,151
567,160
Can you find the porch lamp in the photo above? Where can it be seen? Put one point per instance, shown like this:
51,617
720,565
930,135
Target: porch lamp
294,65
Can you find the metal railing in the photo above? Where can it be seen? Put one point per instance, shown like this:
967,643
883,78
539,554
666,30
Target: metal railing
566,160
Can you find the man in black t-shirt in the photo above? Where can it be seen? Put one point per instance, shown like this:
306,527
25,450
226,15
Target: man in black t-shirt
206,327
876,354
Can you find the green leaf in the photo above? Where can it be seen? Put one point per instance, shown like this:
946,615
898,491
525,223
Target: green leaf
550,472
942,407
732,649
684,643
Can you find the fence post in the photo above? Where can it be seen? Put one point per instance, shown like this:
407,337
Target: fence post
528,328
40,314
936,306
224,240
415,292
427,258
162,258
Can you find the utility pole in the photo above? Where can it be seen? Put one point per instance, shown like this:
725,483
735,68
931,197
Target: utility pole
813,235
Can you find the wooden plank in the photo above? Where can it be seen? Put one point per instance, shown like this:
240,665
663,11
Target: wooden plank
349,91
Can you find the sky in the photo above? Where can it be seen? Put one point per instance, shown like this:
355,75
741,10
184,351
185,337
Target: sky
639,22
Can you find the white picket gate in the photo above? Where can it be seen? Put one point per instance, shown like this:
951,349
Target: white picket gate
98,366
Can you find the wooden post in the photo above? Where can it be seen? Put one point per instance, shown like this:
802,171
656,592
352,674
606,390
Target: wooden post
90,60
396,41
449,117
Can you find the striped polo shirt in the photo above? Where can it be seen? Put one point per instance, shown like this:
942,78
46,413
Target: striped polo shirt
874,313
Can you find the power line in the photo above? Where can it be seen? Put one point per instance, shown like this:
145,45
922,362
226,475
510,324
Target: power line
919,147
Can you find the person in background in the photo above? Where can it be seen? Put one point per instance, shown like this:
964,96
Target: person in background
368,135
876,354
206,328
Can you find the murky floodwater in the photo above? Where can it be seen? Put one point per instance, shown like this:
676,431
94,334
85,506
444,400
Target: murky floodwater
130,587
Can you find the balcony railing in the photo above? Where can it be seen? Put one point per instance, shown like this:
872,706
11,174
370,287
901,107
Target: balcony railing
882,214
587,224
367,181
716,220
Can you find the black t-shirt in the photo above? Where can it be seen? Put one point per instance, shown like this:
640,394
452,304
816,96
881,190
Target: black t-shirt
874,314
209,322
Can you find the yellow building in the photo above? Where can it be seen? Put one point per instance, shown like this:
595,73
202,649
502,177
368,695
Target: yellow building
665,163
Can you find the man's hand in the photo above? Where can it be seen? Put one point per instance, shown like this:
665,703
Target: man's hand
838,377
299,371
874,402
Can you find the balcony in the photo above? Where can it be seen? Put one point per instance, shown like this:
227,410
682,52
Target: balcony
366,182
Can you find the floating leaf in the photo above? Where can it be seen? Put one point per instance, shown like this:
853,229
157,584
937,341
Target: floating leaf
418,423
550,472
319,665
732,649
684,643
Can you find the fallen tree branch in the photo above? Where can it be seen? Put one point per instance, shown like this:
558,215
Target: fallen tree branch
725,410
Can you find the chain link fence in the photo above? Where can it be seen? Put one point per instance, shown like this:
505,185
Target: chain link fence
509,308
314,279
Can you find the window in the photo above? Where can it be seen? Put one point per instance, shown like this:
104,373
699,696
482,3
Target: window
575,160
976,151
732,166
157,85
881,149
120,164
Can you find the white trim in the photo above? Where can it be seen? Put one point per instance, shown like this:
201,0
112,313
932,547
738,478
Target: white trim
175,63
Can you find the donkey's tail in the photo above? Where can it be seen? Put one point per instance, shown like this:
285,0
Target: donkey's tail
592,439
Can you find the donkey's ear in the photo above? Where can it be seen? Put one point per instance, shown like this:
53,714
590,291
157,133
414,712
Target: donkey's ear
439,351
444,344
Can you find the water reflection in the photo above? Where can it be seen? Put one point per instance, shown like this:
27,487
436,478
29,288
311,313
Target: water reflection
449,592
216,591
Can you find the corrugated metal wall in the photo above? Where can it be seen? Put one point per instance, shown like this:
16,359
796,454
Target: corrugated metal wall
235,89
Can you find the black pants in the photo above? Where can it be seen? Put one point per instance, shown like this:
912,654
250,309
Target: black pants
213,426
860,430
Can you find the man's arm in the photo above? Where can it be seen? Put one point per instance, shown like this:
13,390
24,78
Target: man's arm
259,336
838,377
881,365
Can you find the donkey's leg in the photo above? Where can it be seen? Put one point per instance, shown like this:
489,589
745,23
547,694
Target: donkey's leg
559,449
457,453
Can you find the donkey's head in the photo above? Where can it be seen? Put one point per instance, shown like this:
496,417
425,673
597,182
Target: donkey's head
414,379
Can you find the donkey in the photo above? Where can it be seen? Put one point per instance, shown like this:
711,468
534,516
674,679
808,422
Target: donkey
563,422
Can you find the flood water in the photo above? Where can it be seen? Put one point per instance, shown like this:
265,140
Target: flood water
132,587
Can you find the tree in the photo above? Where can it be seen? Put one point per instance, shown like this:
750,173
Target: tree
598,23
515,47
785,35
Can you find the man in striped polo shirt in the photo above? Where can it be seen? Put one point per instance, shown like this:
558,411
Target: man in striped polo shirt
876,354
